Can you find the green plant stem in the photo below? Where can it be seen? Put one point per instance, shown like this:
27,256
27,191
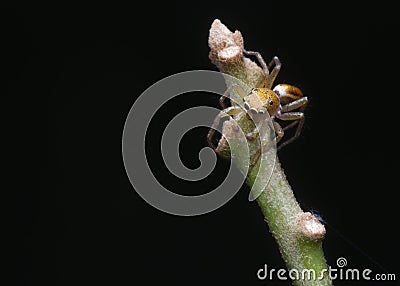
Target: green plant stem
299,235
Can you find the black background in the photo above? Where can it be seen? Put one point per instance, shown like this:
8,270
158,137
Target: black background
80,67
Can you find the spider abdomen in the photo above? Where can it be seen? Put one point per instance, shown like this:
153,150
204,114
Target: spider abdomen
288,93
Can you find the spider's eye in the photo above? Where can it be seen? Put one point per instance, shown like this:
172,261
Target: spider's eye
271,102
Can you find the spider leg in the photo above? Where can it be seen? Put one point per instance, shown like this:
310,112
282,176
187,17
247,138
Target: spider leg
279,131
240,92
274,73
262,63
225,95
302,102
233,110
290,126
299,116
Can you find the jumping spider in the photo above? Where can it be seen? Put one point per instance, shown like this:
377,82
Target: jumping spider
281,102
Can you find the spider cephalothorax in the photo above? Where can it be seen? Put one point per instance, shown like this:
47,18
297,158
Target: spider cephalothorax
283,102
261,99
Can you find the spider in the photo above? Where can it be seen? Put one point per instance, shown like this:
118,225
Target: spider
284,102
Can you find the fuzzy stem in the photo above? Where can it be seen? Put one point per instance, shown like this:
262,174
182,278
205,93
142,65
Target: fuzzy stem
299,235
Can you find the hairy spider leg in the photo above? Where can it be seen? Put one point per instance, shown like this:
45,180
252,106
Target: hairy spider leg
286,114
233,110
